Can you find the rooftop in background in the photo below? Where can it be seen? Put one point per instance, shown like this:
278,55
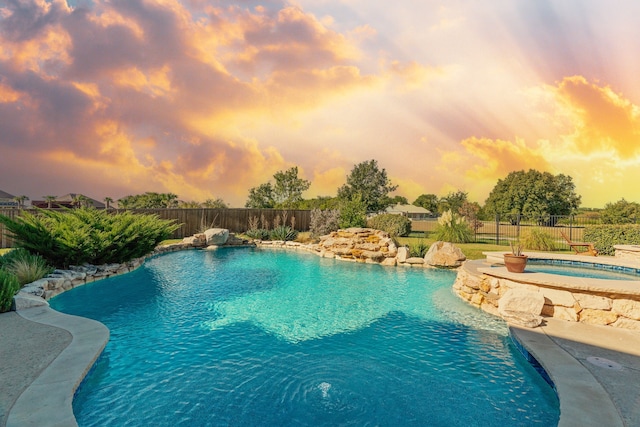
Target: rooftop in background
7,200
70,201
410,211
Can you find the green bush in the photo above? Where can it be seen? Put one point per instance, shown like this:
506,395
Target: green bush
25,266
418,249
258,234
353,213
537,240
9,286
87,235
395,225
283,232
604,237
324,221
453,228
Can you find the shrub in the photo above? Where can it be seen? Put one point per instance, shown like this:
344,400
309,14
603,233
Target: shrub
283,232
538,240
604,237
9,286
418,249
88,235
324,221
353,213
258,234
453,228
395,225
25,266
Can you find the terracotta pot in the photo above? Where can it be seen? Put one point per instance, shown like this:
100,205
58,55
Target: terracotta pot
515,263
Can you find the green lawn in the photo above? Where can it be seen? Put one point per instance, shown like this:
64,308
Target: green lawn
470,250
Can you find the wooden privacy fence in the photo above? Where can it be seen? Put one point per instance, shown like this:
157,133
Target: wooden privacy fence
235,220
196,220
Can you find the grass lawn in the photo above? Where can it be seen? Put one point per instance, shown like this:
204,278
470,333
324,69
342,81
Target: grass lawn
470,250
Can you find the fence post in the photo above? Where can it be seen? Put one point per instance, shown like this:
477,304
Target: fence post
570,227
497,229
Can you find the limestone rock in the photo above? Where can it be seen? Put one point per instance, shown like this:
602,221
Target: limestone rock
626,324
597,317
558,297
403,254
627,308
593,301
24,300
444,254
197,240
521,318
216,236
521,301
415,261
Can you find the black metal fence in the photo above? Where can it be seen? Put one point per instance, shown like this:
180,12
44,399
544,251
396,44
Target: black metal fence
505,229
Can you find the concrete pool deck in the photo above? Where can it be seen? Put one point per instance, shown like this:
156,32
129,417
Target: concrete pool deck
596,369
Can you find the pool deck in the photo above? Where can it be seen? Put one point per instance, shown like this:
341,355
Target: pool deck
45,354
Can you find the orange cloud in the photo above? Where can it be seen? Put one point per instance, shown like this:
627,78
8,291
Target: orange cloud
499,157
605,120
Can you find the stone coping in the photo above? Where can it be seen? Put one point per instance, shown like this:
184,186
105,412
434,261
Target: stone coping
583,400
47,401
557,281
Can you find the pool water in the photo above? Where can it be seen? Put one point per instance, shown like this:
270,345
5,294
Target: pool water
248,337
582,269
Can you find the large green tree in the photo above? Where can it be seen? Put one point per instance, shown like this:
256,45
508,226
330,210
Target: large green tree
452,201
286,192
288,188
369,184
620,212
533,194
261,197
427,201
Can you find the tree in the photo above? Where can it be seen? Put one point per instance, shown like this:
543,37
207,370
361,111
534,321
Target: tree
214,204
398,200
149,200
427,201
261,197
49,200
107,202
288,188
370,184
620,212
21,200
189,204
471,211
452,201
533,194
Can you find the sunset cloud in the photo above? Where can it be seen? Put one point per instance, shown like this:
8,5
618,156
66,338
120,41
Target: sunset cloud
209,99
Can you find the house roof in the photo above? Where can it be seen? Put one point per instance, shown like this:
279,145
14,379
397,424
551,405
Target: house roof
69,198
409,209
5,195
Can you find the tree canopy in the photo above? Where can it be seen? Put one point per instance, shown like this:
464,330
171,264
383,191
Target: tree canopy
620,212
427,201
533,194
149,200
286,192
369,184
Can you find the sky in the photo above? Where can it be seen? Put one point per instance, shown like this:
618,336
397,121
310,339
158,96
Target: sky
206,99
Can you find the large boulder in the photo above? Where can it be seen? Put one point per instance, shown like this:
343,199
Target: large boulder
522,307
444,254
216,236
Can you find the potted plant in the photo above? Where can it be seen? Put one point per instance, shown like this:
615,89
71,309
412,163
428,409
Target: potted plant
515,261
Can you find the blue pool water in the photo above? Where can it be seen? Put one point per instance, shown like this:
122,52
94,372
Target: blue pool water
245,337
582,269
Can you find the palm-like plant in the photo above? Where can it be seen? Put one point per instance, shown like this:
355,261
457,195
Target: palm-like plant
21,200
49,200
107,202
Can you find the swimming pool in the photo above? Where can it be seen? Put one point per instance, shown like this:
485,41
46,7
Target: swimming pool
592,270
255,337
